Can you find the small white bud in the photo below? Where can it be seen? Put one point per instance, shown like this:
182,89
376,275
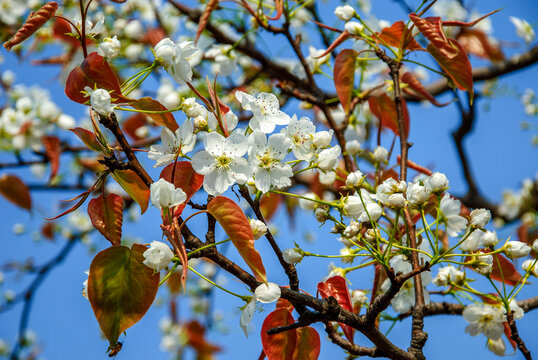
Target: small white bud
292,256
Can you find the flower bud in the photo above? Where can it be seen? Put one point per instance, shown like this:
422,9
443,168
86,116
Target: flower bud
165,195
527,264
267,293
258,228
100,100
353,147
354,27
516,249
417,194
158,256
322,139
484,265
437,182
396,200
480,218
292,256
321,214
344,13
110,47
381,154
489,238
354,179
358,297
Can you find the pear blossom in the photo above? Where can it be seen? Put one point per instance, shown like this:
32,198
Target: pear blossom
308,204
229,120
110,47
489,238
301,133
535,246
448,274
485,263
450,208
354,27
314,60
265,159
352,229
358,297
344,13
354,207
292,256
258,228
165,195
173,144
246,315
327,178
267,293
158,256
85,285
437,182
353,147
100,101
192,109
530,266
221,162
473,242
514,306
381,154
480,218
354,179
417,194
523,29
322,139
174,58
328,158
265,109
484,319
497,347
390,192
516,249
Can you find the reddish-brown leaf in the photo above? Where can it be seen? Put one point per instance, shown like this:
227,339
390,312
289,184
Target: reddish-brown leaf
308,344
432,29
16,191
196,338
149,104
133,123
82,198
211,5
414,87
393,36
88,138
185,178
134,186
279,346
477,43
457,67
506,272
48,230
284,304
120,288
106,215
61,29
384,108
95,73
344,75
153,36
237,227
279,5
269,204
340,39
470,23
52,151
336,287
33,23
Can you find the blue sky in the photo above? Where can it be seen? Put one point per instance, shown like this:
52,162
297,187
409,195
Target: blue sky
501,156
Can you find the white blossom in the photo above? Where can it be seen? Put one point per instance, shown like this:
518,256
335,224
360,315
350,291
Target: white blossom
100,101
417,194
354,207
485,263
292,256
173,144
480,218
328,158
301,133
353,147
354,27
221,162
484,319
174,58
258,228
265,159
165,195
110,47
354,179
381,154
516,249
448,274
437,182
497,346
315,60
267,293
246,315
530,266
451,212
473,242
265,109
358,297
523,29
158,256
489,238
344,13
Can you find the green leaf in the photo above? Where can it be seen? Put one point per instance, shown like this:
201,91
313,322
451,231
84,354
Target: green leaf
134,186
237,227
120,288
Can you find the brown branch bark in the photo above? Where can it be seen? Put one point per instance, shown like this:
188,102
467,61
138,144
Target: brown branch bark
515,336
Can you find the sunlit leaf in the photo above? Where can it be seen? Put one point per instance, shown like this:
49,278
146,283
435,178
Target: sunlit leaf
88,138
414,87
33,23
94,72
196,339
106,215
344,74
51,144
432,29
133,123
476,42
16,191
237,227
393,36
133,186
336,287
269,204
308,344
120,288
384,108
149,104
279,346
279,5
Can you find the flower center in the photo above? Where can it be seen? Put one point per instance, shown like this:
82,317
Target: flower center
266,161
223,161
